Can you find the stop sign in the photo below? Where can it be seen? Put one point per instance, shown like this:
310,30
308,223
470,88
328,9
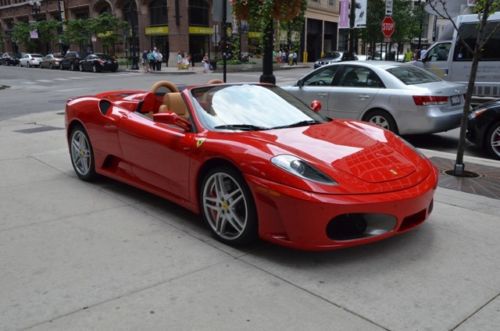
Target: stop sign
388,26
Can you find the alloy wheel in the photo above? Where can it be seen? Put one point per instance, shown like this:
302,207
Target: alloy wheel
225,206
380,121
81,153
494,140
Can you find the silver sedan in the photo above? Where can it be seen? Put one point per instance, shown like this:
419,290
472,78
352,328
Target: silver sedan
399,97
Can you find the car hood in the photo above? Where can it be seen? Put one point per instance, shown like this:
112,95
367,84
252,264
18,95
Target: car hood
360,157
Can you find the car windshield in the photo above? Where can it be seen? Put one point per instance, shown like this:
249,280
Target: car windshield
251,107
36,55
411,75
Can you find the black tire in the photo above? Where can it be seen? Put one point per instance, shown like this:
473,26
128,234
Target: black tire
79,146
382,119
234,213
493,136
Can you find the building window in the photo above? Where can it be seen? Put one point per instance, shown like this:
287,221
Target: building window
198,12
158,13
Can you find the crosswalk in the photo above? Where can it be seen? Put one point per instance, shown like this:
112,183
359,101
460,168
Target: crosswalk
58,80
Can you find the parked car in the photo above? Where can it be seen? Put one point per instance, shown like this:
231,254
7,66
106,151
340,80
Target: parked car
30,60
71,61
51,61
99,62
254,162
9,59
332,58
484,127
396,96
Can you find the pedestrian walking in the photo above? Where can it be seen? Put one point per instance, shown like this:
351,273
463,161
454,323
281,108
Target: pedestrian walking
159,60
206,63
145,62
179,60
294,58
151,60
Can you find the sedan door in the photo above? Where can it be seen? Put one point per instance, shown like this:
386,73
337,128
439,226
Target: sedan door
354,90
159,154
316,86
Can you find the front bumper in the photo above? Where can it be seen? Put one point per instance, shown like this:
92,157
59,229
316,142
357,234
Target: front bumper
299,219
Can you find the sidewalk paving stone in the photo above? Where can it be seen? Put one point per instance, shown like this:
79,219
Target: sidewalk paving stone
240,298
56,268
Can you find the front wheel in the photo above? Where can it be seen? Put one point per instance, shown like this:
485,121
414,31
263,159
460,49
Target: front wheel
493,140
382,119
227,206
82,154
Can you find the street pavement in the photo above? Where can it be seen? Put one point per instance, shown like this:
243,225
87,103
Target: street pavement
105,256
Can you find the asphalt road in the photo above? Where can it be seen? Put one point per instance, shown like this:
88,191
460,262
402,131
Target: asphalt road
34,90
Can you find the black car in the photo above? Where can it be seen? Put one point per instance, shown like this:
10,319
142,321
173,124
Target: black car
8,59
99,62
484,127
71,60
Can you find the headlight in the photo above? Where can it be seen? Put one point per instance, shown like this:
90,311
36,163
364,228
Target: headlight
476,113
301,168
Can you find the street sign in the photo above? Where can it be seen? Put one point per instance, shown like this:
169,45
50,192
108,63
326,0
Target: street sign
388,7
388,26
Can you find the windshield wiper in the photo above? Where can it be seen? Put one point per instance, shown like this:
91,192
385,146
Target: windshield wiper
294,125
244,127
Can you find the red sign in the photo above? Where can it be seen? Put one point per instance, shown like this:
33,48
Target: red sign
388,26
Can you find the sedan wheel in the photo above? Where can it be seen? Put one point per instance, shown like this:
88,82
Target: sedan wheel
227,206
493,140
382,119
82,155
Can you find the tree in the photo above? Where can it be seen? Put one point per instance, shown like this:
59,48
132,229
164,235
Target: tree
262,13
21,35
78,32
47,31
483,8
108,29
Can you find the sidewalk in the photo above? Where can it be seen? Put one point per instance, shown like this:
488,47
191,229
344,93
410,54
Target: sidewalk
105,256
230,68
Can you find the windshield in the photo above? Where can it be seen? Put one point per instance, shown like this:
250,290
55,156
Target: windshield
36,55
251,107
411,75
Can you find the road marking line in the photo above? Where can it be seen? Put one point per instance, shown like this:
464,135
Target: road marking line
44,80
61,79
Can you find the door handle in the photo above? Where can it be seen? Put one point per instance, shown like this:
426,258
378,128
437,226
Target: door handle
322,94
363,96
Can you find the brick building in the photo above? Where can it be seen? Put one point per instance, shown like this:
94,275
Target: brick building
169,25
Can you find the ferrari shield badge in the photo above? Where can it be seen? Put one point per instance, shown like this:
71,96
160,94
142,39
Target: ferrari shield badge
199,142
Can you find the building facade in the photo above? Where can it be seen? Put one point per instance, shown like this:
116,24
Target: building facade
172,26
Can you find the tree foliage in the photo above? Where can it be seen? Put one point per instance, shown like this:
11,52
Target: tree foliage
21,34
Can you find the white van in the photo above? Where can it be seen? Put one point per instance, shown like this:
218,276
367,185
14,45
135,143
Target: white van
450,60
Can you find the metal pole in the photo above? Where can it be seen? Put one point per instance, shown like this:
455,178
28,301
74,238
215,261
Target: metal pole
224,40
267,62
351,30
421,25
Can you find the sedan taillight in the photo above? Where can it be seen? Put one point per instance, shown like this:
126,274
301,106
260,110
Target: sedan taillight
429,100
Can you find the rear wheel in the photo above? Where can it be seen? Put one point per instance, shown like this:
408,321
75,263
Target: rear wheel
493,140
382,119
227,206
82,154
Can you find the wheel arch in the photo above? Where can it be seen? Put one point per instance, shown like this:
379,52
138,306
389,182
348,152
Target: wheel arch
210,164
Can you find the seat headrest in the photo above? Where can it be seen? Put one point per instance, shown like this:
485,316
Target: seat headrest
150,103
175,103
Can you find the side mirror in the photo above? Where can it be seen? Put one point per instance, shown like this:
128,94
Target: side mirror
300,83
315,105
172,119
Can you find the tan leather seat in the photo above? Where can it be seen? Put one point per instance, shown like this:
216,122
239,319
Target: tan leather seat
173,102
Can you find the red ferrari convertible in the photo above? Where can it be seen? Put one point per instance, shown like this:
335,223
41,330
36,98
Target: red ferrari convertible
254,161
